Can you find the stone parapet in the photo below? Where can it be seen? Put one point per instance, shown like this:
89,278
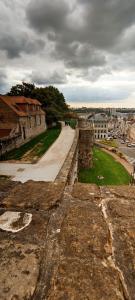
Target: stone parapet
68,172
86,142
67,243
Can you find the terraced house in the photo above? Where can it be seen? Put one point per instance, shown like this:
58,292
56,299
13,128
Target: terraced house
100,124
20,120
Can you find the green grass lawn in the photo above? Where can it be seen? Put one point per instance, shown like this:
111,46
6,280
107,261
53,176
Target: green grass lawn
36,147
104,165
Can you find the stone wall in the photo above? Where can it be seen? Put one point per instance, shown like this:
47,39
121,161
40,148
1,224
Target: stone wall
32,126
24,130
69,170
9,144
85,148
80,155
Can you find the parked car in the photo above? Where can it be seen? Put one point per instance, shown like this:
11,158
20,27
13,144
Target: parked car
129,145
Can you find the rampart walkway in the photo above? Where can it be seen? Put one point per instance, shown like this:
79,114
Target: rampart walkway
77,243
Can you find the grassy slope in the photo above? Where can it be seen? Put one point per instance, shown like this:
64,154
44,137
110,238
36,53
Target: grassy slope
72,123
104,165
39,145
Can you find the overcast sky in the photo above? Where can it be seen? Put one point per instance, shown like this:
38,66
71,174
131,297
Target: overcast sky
86,48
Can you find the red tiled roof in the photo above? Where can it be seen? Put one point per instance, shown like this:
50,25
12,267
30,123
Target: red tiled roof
4,132
12,102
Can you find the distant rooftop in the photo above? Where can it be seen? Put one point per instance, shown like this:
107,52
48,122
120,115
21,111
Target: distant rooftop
98,117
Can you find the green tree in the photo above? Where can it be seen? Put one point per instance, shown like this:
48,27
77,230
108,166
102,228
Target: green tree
25,89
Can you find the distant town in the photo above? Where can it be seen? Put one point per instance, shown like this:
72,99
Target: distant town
111,122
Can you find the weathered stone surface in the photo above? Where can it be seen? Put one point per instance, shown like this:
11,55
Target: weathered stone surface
86,141
19,264
85,250
85,280
6,185
21,258
86,191
126,192
34,233
120,209
80,243
34,195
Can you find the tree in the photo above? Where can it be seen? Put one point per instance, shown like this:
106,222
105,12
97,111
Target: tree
24,89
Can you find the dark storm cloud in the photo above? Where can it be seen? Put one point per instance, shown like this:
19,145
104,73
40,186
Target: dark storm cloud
44,79
102,21
21,43
84,33
84,38
78,55
107,19
15,38
44,15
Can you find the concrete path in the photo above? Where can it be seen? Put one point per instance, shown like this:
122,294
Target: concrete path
49,165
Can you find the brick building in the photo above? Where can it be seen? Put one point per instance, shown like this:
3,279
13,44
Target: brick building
20,119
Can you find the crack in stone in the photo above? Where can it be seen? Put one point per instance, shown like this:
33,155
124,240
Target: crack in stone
50,258
111,258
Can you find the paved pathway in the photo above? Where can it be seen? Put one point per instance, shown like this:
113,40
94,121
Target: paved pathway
49,165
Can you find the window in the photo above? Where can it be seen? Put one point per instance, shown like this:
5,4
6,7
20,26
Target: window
39,120
30,122
35,121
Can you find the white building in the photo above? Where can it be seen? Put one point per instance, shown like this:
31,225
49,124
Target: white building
112,111
100,123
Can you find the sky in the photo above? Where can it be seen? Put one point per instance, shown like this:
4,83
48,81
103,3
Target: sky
86,48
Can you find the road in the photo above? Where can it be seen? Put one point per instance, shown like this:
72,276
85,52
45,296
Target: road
128,151
49,165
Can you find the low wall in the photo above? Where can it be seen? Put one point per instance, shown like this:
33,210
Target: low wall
7,145
68,172
14,143
80,151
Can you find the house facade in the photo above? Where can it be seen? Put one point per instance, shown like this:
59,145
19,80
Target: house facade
100,123
20,120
